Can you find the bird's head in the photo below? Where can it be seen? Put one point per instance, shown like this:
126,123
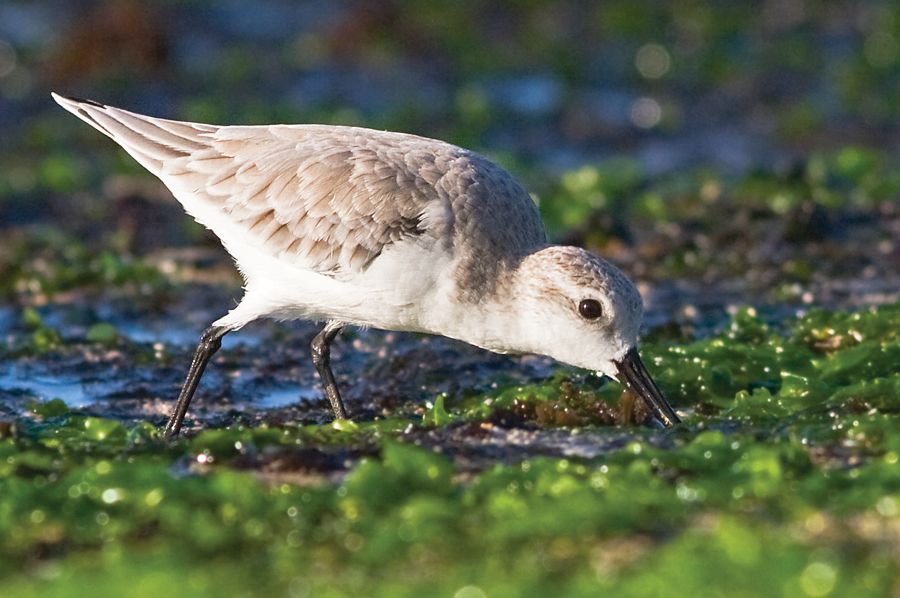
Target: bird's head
581,310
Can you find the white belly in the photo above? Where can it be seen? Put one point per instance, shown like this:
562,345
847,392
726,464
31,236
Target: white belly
393,293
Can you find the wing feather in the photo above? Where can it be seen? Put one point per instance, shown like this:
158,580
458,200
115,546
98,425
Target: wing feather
325,198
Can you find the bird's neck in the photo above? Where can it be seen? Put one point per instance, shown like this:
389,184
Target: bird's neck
498,320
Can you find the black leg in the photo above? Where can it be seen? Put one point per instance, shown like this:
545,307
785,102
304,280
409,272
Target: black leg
209,344
321,356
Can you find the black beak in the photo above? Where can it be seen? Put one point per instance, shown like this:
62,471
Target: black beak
635,376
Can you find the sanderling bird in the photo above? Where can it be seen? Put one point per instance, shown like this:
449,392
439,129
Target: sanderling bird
350,226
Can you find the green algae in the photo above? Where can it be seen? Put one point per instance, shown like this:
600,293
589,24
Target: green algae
787,462
45,261
844,179
830,363
41,337
102,333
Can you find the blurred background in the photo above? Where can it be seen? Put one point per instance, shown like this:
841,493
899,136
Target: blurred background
729,84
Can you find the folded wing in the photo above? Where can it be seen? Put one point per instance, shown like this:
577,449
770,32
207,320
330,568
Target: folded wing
324,198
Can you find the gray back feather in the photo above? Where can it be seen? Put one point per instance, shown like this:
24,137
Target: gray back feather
332,198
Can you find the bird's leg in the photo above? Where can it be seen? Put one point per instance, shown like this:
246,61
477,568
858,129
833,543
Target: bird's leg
321,356
210,342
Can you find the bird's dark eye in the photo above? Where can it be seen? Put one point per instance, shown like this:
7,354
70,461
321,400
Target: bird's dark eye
590,309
